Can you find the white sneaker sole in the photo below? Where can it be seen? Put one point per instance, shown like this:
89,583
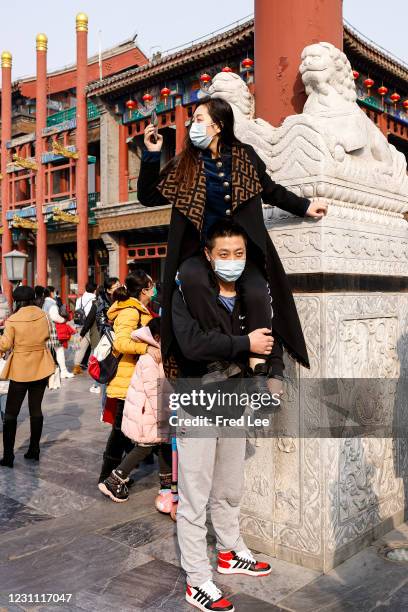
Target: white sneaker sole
190,599
104,489
224,570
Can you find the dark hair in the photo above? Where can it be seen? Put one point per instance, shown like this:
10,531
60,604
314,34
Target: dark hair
187,162
39,295
39,291
50,288
222,229
100,290
134,283
47,292
154,326
109,282
90,287
23,296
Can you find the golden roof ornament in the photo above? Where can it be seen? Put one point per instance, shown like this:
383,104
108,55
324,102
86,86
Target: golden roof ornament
41,42
60,216
82,22
6,59
19,222
59,149
29,164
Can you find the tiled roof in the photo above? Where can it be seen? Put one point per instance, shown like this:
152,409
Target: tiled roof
201,53
355,44
175,63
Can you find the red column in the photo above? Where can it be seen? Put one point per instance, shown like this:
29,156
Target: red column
82,149
6,61
282,30
123,165
123,256
40,124
181,117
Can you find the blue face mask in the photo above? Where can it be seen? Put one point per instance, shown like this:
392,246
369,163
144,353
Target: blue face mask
229,270
198,135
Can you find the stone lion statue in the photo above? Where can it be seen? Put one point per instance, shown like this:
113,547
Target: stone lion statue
332,134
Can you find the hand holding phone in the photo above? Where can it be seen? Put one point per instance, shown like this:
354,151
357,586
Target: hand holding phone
152,139
155,122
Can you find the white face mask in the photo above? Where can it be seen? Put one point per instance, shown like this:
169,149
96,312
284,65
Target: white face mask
198,135
229,270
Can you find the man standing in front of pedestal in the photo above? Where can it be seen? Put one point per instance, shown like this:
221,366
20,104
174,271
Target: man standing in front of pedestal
211,469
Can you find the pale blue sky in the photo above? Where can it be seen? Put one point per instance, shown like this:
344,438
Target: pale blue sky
161,22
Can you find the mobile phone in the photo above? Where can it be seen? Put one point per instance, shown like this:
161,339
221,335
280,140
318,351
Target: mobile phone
155,122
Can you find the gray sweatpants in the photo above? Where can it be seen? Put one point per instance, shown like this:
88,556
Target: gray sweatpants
210,470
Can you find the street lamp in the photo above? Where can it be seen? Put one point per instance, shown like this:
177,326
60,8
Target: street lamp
15,266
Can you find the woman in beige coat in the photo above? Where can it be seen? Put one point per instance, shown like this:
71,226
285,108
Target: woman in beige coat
28,368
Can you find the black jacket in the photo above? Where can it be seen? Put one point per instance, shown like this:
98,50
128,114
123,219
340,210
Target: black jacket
250,186
198,348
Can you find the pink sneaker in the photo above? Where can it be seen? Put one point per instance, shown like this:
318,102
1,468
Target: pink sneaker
164,501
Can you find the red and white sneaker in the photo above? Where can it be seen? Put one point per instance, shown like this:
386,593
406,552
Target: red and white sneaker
241,563
208,597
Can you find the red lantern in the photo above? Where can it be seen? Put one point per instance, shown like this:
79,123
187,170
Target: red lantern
147,97
368,83
131,104
405,105
165,92
247,63
226,69
395,97
355,75
205,78
382,90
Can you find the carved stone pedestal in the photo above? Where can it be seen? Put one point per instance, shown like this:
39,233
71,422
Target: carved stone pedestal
310,499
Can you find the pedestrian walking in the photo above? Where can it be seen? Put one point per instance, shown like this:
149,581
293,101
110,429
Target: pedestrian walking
28,367
82,308
64,332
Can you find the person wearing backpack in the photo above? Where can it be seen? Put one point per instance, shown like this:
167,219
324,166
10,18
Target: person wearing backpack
128,313
50,307
83,307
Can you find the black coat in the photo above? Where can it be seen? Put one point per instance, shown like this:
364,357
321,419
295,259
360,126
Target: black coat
251,185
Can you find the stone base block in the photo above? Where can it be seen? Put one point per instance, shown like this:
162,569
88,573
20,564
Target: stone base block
316,500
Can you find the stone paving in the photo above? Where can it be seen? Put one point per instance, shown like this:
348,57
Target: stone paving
58,534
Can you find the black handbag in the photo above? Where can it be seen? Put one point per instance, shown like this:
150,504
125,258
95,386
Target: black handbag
109,366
